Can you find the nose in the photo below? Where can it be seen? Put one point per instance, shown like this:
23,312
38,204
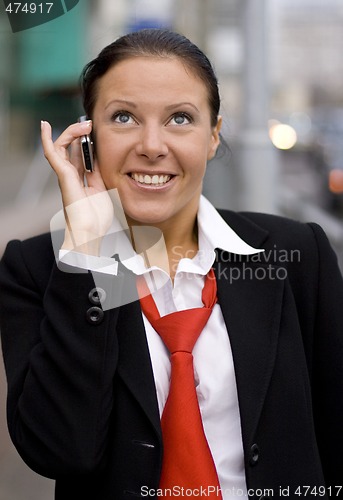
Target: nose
151,143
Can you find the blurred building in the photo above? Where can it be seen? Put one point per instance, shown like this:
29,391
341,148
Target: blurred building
307,45
41,77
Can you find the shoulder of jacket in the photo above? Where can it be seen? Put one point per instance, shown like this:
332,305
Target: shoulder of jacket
277,226
263,220
35,253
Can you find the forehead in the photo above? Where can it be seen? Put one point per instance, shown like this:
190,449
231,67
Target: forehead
158,78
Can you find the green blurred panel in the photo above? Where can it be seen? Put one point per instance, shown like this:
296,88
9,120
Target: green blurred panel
51,56
5,44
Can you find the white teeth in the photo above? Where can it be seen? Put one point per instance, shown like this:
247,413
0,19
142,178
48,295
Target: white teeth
148,179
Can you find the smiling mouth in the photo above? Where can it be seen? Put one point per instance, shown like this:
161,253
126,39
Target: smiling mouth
156,180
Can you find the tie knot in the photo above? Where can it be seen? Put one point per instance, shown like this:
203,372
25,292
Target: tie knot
180,330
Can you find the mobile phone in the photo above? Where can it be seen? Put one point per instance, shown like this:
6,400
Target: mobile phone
87,149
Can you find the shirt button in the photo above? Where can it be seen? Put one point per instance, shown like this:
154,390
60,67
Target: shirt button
95,315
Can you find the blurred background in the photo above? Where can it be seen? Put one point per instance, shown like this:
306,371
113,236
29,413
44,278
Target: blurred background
280,68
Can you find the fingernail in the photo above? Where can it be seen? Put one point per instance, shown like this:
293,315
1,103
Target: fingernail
42,123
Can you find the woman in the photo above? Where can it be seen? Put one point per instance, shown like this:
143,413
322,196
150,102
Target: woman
89,382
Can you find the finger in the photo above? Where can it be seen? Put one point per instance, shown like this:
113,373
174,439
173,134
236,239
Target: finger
46,136
56,160
56,152
73,132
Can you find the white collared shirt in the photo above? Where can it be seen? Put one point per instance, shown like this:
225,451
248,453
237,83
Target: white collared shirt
213,363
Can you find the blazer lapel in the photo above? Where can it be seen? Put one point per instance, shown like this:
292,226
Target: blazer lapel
251,308
134,365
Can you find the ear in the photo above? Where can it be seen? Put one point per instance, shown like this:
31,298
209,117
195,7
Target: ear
215,138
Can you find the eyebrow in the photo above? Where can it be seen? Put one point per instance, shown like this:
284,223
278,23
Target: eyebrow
180,104
121,101
168,108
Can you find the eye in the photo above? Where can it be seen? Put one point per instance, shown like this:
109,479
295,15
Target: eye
181,119
123,117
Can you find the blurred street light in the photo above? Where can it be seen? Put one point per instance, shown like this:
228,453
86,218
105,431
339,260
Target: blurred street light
283,136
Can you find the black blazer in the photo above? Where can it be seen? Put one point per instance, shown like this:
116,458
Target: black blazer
82,404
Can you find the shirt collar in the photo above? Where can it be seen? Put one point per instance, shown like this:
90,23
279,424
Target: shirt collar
213,232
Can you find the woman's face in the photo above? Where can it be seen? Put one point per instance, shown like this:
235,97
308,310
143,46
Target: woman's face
153,137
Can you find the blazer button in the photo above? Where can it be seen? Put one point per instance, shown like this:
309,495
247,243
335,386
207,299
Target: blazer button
95,315
254,454
96,296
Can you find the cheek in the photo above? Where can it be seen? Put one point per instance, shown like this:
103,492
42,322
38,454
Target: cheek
108,154
196,157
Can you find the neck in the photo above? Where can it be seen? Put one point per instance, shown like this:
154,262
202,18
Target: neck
181,244
179,241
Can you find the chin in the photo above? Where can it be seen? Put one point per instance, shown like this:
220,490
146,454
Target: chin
146,217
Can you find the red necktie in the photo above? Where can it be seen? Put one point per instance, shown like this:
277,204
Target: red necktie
187,459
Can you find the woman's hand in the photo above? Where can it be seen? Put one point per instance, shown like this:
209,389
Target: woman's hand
87,206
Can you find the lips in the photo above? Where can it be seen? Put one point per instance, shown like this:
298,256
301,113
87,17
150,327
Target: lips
155,180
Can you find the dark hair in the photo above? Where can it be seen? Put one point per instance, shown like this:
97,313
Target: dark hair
150,42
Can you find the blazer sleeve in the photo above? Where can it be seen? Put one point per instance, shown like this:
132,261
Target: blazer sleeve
328,361
59,366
